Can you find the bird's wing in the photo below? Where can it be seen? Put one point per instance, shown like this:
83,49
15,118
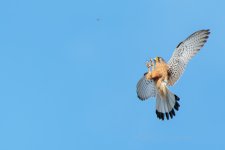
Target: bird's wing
184,52
145,88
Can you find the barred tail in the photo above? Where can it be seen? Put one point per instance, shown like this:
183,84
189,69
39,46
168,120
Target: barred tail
165,105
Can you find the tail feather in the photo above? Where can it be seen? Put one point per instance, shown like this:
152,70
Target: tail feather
165,105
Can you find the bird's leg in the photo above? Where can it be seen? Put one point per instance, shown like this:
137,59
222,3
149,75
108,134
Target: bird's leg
152,64
164,85
149,65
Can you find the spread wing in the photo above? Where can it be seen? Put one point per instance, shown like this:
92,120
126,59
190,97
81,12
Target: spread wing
184,52
145,88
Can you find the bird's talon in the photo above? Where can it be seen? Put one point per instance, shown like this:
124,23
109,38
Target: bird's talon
152,64
148,64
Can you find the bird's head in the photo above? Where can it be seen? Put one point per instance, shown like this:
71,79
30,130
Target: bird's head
159,59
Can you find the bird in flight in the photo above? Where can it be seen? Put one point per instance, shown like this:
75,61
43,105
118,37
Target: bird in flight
162,74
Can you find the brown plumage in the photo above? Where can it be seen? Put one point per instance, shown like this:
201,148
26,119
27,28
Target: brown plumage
159,74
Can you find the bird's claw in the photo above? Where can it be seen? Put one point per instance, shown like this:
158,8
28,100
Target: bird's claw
149,64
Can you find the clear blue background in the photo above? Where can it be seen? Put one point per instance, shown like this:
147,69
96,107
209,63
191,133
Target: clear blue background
68,74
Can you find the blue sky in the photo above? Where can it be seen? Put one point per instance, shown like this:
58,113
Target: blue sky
69,71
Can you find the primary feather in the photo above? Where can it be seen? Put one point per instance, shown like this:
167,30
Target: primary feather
146,88
184,52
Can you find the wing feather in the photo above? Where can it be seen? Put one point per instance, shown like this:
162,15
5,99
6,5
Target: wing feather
184,52
145,88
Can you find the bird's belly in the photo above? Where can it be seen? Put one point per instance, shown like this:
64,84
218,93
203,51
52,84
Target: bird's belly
161,86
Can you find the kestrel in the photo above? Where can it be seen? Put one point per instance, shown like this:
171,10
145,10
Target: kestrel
160,75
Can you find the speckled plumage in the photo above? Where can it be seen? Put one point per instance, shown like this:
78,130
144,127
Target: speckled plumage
154,83
184,52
